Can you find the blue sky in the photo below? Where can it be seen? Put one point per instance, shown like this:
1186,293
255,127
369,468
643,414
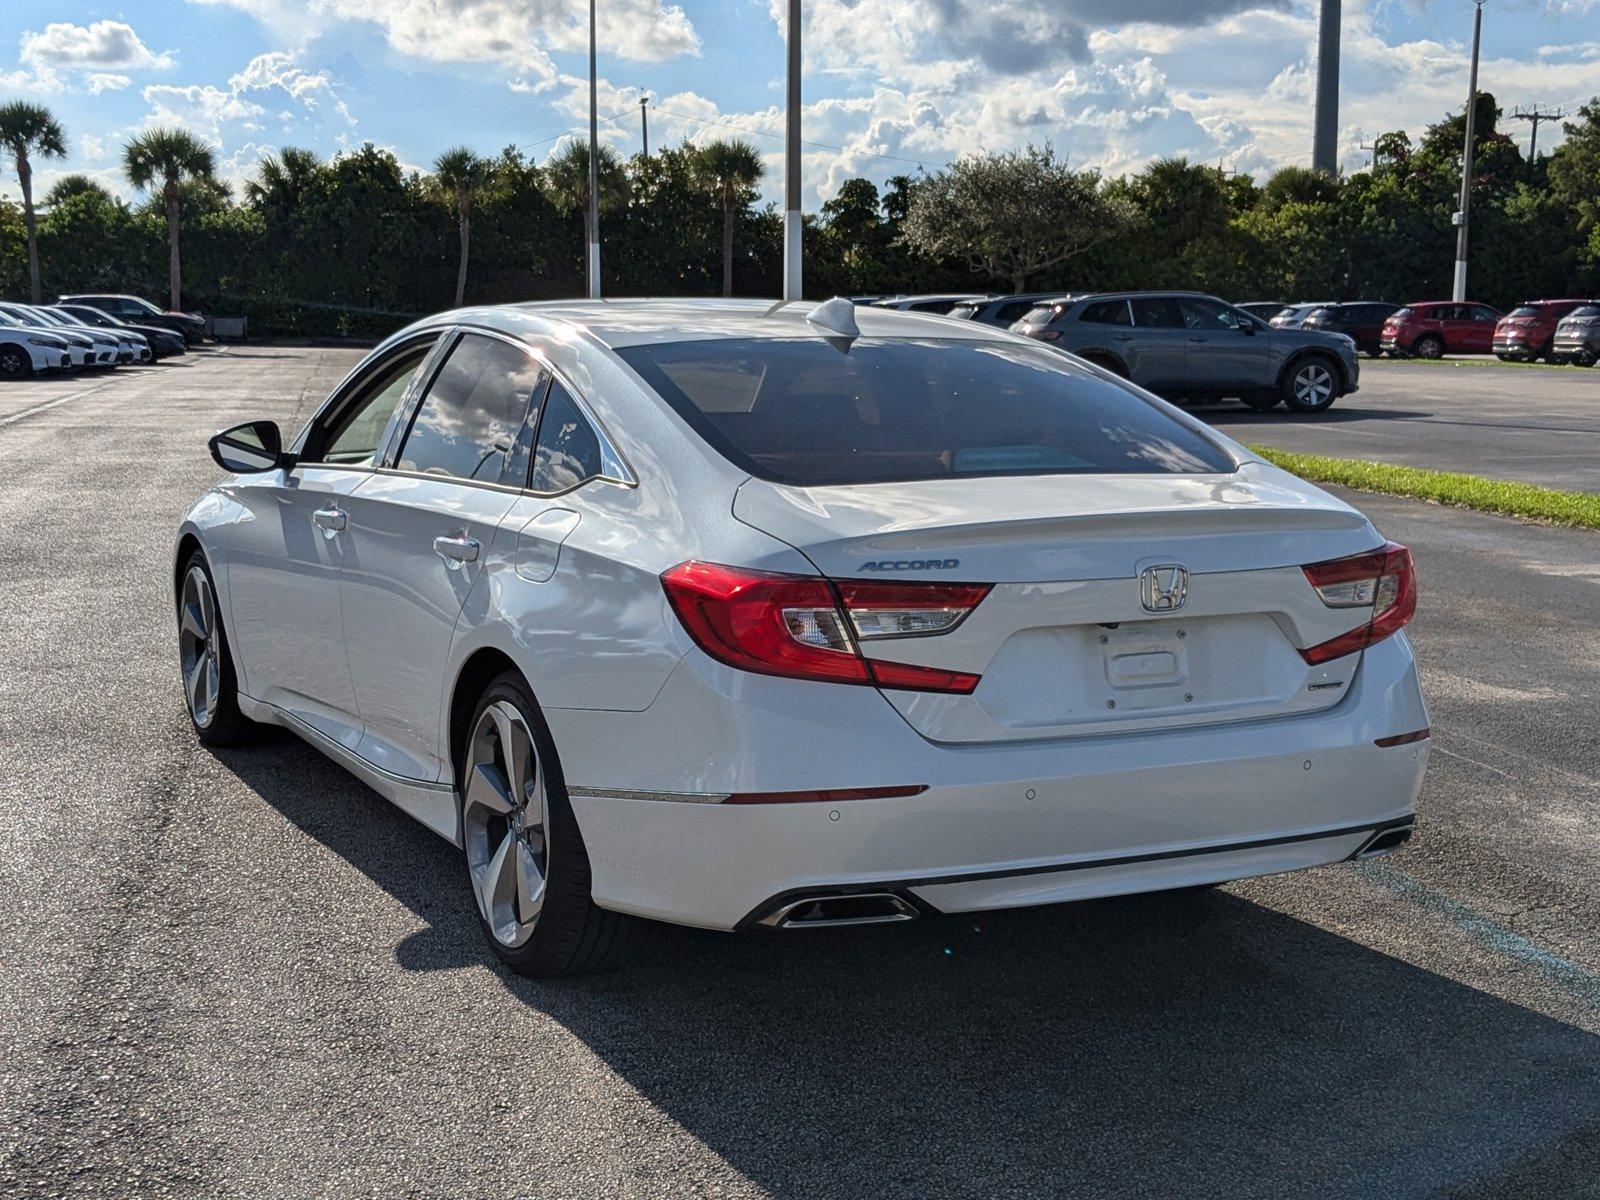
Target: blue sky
890,85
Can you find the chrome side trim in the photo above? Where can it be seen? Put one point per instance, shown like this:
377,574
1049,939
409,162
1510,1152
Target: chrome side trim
639,794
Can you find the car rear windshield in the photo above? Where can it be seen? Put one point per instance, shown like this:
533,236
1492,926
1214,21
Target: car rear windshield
1586,310
966,311
1526,310
1404,312
811,412
1040,314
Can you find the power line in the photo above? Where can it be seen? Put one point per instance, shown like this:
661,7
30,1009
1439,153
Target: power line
1533,116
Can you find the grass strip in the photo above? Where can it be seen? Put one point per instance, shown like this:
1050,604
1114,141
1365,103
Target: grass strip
1580,510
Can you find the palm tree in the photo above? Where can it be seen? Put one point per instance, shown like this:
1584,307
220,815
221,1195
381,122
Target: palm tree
729,170
283,180
173,156
68,186
461,173
27,130
566,181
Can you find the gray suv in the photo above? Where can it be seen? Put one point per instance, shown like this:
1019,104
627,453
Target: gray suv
1185,345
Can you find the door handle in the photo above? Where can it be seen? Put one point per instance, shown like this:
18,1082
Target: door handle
1122,337
330,520
456,550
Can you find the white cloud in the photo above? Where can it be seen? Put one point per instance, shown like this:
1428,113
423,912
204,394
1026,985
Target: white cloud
273,77
104,45
104,81
517,34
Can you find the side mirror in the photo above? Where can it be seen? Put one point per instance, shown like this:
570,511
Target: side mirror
1248,327
250,448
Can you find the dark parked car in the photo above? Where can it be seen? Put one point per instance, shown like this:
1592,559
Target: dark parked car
1577,338
164,343
1192,346
1359,319
1003,311
1528,331
133,309
938,303
1264,309
1440,327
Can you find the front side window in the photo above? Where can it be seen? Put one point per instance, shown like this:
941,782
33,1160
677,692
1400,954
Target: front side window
799,411
470,425
1482,312
360,429
568,450
1210,315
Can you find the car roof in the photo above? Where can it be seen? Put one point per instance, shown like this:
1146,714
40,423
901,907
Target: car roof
619,323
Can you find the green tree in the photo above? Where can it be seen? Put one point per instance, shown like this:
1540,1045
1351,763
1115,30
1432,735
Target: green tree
1012,216
283,181
170,156
29,130
68,186
566,178
1574,175
461,174
729,170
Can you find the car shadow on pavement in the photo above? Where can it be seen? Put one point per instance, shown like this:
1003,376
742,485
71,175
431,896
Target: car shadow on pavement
1339,414
1171,1045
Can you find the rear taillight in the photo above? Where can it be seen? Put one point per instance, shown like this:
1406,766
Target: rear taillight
808,627
1048,335
1385,582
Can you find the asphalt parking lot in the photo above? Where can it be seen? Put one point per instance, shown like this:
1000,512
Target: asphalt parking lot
244,974
1537,424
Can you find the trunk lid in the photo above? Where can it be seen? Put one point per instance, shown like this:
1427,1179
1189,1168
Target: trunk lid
1066,643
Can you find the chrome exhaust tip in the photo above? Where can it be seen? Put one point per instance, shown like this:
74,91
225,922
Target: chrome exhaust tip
1385,841
831,912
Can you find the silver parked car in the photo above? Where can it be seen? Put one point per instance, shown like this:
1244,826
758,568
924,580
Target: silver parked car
1187,345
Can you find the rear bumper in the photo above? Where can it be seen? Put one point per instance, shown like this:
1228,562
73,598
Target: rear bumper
998,826
1521,345
1391,344
1575,347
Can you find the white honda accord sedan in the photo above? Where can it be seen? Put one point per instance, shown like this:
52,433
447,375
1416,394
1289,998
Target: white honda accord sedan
748,615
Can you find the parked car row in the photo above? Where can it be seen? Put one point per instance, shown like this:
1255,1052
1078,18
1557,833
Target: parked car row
1554,330
90,332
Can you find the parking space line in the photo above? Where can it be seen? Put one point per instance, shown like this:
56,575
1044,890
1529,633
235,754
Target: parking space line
56,403
1580,983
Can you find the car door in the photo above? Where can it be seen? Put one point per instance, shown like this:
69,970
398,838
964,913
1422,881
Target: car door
1157,344
1225,353
1481,322
420,531
284,563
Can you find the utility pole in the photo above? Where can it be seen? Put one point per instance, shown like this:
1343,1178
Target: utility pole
1533,116
792,229
644,124
1325,136
594,167
1459,291
1362,145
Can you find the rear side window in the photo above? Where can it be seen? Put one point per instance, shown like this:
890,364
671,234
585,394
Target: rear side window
568,451
470,423
1106,312
801,412
1157,312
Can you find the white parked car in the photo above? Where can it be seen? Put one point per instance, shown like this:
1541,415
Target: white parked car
131,347
25,351
89,347
753,616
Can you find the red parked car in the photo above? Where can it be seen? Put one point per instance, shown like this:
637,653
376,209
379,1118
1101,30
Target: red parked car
1526,332
1440,327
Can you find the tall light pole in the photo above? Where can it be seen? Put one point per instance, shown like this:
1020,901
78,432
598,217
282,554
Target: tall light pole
594,167
1459,292
792,288
1325,131
644,124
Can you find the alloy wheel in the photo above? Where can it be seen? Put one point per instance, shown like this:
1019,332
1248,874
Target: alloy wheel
1313,385
505,821
198,652
12,363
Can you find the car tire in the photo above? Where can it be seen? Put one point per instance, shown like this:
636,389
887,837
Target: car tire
1263,401
1310,384
526,865
210,687
1428,346
15,363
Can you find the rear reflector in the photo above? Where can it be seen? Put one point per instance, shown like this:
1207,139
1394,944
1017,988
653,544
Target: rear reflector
809,627
826,797
1404,739
1384,582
